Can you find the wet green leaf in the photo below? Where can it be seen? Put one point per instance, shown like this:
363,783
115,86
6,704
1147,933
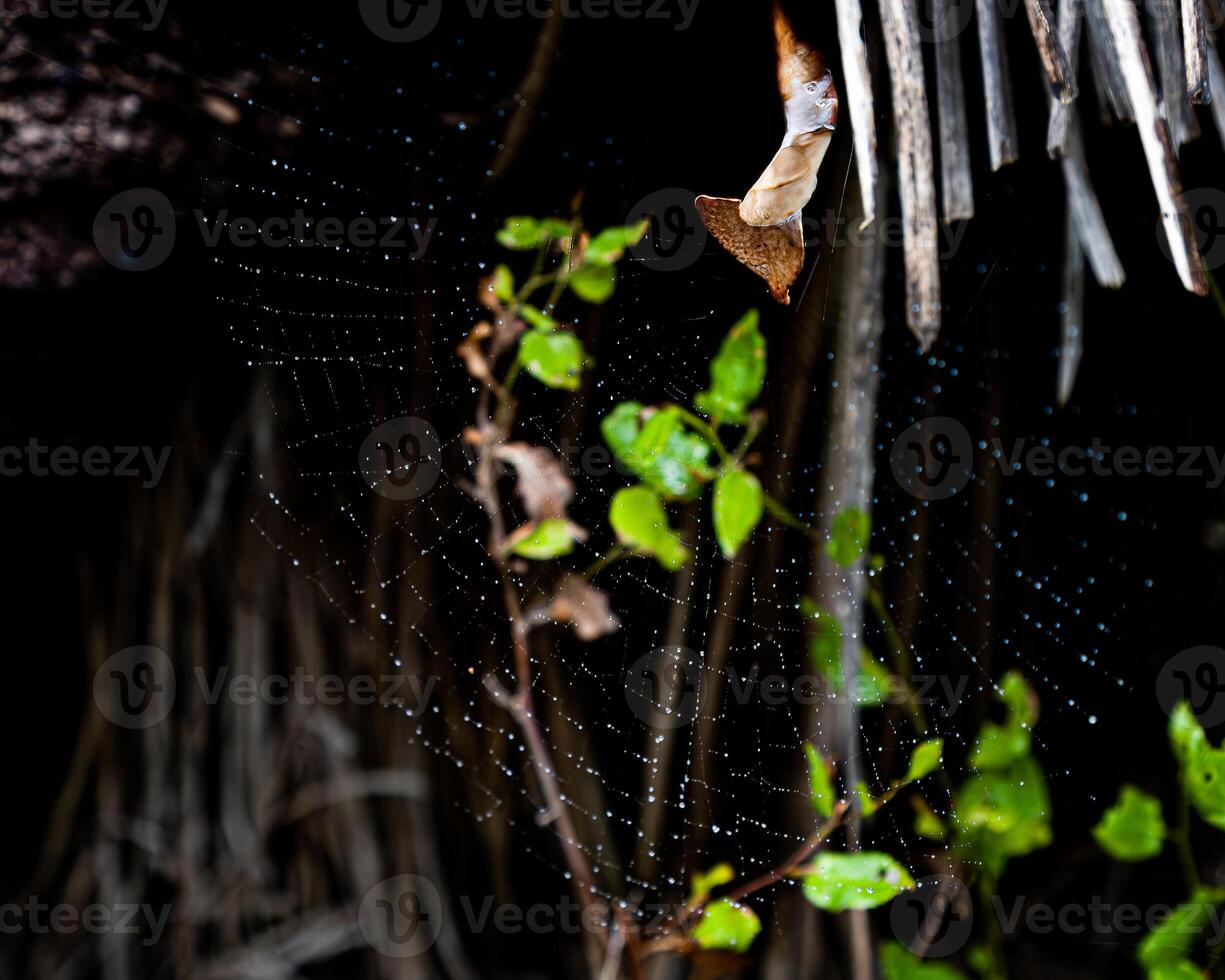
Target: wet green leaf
554,359
736,373
1132,829
706,882
640,522
820,783
609,246
594,283
726,926
738,505
550,539
864,880
925,759
899,963
849,537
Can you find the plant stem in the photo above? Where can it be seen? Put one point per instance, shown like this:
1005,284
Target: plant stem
613,554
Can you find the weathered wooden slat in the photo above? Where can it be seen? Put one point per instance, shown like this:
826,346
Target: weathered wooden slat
1195,51
1086,213
1155,138
1106,71
1059,72
1071,14
859,101
1072,314
997,86
956,183
1171,73
916,168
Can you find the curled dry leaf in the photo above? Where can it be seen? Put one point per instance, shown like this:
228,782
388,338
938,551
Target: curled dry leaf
473,355
584,607
543,483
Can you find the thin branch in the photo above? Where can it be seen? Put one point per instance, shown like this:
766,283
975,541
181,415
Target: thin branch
1060,72
1195,52
997,86
1070,19
955,180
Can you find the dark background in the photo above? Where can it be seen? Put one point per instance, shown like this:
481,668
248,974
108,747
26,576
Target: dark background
165,357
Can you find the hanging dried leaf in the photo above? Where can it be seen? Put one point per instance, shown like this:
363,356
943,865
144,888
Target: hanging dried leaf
544,486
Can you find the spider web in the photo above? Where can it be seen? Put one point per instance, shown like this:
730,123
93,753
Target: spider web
343,340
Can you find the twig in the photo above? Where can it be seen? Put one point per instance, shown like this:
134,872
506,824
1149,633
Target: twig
1155,137
859,100
917,183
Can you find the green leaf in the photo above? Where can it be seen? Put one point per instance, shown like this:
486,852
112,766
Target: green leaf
522,234
1181,931
1000,745
863,880
668,458
550,539
849,536
640,522
1201,766
875,683
1003,813
504,284
537,319
1176,970
736,373
556,228
899,963
594,283
738,505
926,823
1132,829
820,784
705,883
554,359
620,428
726,926
925,759
608,246
867,804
